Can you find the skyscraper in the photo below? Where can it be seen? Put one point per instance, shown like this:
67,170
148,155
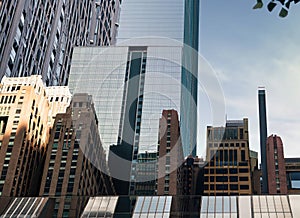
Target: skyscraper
37,37
276,166
175,20
263,138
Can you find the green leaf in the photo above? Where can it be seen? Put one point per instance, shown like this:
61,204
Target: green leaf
281,1
283,12
271,6
258,5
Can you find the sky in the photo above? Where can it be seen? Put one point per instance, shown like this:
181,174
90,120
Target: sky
246,49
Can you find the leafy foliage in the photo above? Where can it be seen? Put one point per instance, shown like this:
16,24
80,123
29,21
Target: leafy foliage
284,4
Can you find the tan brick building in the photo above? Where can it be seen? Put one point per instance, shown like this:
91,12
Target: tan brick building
228,164
75,165
25,120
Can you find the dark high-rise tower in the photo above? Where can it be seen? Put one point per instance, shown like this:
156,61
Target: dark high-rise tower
37,37
189,77
263,137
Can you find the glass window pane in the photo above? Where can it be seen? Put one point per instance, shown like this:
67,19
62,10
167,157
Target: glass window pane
210,215
295,202
203,215
219,215
263,204
138,205
234,215
204,204
168,204
219,204
226,215
151,215
285,204
256,206
161,204
257,215
104,204
88,206
159,215
153,204
112,204
166,215
271,204
146,205
245,206
211,204
96,204
233,204
278,205
226,204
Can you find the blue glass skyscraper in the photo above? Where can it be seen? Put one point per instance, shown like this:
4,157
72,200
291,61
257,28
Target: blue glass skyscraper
174,20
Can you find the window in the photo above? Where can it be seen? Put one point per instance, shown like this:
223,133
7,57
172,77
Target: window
243,155
244,187
167,160
244,170
243,178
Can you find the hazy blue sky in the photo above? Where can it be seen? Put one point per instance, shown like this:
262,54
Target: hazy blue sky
250,48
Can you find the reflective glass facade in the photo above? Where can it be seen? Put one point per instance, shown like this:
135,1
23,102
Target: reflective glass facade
175,20
281,206
100,207
101,72
153,206
25,207
142,18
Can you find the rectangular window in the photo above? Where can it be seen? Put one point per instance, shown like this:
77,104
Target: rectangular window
243,155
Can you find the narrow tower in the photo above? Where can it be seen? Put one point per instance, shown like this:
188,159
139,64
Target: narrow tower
263,137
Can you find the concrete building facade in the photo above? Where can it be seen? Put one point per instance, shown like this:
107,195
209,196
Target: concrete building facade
38,37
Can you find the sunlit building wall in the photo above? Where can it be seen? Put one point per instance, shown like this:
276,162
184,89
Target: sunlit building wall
24,134
26,118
